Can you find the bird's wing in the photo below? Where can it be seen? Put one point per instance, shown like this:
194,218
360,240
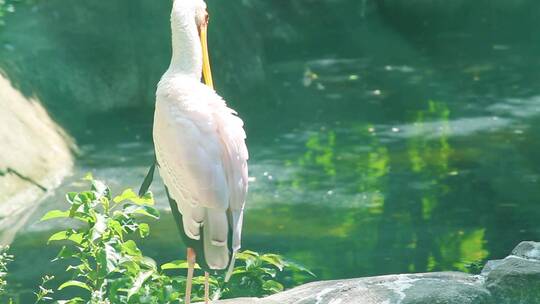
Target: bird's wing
235,159
202,156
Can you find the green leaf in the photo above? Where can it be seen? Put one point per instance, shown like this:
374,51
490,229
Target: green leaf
253,263
74,283
199,280
130,248
139,281
249,252
299,268
143,210
70,197
88,177
64,253
272,286
131,196
126,195
112,256
76,300
79,268
274,259
269,271
106,204
178,264
246,255
147,198
116,227
144,230
99,227
80,199
148,263
130,266
66,235
239,270
54,214
101,189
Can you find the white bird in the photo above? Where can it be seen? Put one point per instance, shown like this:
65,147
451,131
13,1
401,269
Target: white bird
200,148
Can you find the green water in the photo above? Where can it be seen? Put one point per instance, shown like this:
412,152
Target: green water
385,137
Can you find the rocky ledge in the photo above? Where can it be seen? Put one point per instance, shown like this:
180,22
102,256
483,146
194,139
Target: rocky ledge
513,280
35,155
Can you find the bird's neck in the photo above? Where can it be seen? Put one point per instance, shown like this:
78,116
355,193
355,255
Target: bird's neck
186,51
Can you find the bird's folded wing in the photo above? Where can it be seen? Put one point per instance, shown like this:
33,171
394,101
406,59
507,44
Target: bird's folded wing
235,159
190,154
203,160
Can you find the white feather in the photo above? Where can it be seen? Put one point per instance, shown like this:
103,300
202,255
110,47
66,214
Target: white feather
200,144
200,147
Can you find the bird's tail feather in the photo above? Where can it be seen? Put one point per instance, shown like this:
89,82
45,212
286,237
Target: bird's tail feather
231,267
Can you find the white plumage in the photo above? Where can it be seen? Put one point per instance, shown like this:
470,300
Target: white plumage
200,144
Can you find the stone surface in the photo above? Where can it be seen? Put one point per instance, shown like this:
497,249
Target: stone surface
490,265
459,290
513,280
516,279
34,157
528,250
429,288
446,287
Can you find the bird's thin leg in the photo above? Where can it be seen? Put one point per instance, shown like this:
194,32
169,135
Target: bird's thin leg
206,288
191,266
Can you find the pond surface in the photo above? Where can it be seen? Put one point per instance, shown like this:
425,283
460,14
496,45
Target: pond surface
385,153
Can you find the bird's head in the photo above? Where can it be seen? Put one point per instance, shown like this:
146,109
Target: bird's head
189,11
187,14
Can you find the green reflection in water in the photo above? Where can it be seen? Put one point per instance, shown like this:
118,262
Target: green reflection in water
429,158
430,161
372,167
424,152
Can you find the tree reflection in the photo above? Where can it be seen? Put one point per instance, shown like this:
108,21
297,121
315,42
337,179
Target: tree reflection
416,217
392,210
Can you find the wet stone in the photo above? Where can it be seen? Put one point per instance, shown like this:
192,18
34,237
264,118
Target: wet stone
513,280
528,250
458,289
490,265
430,288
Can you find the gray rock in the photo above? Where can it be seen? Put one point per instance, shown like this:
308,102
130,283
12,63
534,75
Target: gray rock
528,250
515,280
490,265
429,288
244,301
458,289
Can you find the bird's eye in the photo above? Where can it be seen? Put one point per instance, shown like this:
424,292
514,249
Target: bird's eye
206,17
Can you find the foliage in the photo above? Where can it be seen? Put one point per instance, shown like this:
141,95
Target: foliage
107,266
5,259
44,293
257,274
7,295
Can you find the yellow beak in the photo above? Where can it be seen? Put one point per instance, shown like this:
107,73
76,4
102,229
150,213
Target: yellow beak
207,71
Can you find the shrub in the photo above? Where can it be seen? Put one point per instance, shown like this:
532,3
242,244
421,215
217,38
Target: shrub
5,259
107,265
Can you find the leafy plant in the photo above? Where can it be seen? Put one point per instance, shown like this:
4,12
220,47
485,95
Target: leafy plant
44,293
257,274
5,259
107,265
